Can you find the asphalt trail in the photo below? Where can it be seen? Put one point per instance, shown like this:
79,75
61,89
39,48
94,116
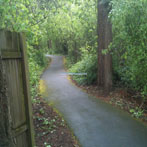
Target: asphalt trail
95,123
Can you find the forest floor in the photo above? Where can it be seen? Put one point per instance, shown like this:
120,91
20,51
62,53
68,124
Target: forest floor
120,97
51,130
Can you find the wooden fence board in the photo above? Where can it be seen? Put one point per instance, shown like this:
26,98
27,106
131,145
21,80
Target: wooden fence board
15,89
26,87
14,62
10,55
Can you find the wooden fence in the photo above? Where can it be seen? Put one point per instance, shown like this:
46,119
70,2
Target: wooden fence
16,129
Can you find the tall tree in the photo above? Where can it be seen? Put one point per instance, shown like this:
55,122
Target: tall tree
104,40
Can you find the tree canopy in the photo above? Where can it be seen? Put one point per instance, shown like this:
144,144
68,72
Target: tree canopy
70,28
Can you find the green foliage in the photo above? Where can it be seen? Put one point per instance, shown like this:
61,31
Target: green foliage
63,23
37,62
88,65
29,17
46,144
130,42
70,27
73,32
137,112
42,111
74,21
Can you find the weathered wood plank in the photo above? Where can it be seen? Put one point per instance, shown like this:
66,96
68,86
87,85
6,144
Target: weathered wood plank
15,41
22,141
2,39
18,110
14,81
9,40
6,119
27,90
19,130
10,55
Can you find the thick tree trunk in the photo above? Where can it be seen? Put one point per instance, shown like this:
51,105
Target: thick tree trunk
104,39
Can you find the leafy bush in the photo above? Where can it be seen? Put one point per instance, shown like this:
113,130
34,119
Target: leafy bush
37,62
129,43
88,65
34,77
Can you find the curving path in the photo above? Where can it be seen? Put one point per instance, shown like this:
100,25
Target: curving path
95,123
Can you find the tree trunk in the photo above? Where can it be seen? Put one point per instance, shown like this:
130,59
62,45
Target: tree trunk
49,44
104,39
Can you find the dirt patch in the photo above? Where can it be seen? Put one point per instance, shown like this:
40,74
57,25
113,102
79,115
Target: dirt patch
51,130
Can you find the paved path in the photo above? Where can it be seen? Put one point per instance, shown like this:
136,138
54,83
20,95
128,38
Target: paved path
95,123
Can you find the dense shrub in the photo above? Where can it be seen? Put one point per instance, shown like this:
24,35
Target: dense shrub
130,42
88,65
37,62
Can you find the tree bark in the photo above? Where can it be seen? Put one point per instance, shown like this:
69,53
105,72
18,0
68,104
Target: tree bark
104,40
